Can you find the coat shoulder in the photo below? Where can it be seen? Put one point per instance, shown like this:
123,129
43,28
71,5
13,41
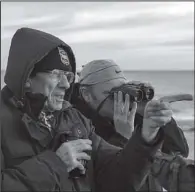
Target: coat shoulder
6,113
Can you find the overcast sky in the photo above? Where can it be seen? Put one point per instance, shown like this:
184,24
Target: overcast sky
136,35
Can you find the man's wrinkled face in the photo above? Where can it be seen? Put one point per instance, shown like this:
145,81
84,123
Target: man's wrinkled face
98,94
52,84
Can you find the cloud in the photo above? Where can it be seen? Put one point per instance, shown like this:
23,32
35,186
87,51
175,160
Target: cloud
188,42
123,31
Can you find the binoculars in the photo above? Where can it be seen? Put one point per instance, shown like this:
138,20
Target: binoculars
137,91
75,173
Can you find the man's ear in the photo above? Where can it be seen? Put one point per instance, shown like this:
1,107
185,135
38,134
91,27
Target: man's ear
85,94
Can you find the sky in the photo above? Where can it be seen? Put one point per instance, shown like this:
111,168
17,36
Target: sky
136,35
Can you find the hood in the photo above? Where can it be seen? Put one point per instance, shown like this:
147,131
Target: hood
28,47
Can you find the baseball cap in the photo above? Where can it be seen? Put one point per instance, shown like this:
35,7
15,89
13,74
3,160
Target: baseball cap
99,71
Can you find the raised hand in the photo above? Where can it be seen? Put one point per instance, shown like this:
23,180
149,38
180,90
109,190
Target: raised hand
123,118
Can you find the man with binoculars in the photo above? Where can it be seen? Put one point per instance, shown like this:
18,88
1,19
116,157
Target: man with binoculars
104,95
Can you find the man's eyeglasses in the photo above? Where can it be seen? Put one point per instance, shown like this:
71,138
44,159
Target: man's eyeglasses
60,73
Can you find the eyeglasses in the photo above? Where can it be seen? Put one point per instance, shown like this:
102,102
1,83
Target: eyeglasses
59,73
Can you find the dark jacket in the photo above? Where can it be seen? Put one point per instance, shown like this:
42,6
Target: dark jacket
174,139
28,159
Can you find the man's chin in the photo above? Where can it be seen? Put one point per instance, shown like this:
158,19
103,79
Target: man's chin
58,107
66,104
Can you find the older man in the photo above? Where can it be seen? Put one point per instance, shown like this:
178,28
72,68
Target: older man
110,115
46,144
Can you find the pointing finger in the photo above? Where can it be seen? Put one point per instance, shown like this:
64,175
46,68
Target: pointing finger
177,97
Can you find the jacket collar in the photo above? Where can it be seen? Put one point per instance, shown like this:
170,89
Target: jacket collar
37,131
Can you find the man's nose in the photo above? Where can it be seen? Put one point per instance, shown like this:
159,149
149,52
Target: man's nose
64,82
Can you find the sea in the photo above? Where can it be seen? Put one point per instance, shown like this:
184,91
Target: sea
169,83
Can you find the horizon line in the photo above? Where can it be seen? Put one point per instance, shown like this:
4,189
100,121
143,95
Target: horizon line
129,70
